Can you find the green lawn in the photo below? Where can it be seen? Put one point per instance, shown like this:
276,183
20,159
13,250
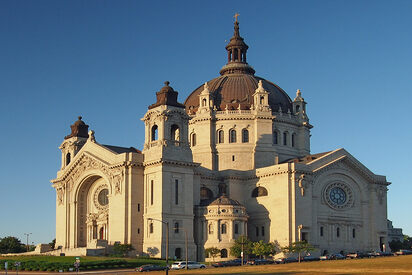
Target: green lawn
55,263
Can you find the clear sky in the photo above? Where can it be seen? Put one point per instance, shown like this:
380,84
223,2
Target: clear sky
105,60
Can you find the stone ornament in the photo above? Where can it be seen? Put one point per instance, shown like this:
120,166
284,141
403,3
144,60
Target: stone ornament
98,197
338,196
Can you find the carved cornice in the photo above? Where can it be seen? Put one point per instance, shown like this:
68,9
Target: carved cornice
170,162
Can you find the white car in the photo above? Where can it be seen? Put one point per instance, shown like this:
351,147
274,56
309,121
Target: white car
190,265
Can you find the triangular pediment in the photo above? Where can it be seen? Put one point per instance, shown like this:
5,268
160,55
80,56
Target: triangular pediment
343,158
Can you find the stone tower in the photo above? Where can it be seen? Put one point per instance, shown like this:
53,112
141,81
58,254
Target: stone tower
168,172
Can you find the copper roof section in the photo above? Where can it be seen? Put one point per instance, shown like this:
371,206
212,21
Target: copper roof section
166,96
79,129
237,83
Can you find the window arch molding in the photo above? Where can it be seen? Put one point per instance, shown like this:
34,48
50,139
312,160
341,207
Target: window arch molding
259,192
232,136
220,136
245,135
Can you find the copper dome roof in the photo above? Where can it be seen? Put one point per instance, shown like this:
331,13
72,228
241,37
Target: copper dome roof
237,83
224,200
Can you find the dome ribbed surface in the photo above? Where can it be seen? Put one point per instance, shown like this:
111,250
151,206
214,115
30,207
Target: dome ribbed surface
224,200
233,89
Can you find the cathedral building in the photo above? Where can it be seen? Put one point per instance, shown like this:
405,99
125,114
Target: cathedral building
234,159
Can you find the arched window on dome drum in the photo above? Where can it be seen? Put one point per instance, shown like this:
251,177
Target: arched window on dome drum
275,137
220,136
293,140
206,193
245,136
232,136
259,192
285,138
154,133
224,228
223,253
297,108
68,158
193,139
235,55
174,133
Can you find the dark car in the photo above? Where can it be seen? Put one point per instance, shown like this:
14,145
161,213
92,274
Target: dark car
337,256
309,259
218,264
150,267
404,252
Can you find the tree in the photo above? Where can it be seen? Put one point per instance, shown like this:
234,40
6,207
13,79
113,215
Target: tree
212,252
52,243
298,247
236,248
122,250
11,245
261,248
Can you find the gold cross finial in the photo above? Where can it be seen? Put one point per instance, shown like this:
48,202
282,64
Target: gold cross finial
236,16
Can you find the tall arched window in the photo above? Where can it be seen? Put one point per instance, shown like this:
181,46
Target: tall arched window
223,253
224,228
338,232
210,228
275,137
193,139
154,133
293,140
174,133
285,138
220,136
232,136
151,227
68,156
259,192
245,136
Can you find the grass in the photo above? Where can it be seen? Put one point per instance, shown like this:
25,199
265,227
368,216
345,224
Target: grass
55,263
376,266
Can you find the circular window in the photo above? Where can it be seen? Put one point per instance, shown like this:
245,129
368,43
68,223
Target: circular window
338,195
102,197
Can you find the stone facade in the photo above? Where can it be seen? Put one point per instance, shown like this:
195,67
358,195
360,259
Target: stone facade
233,160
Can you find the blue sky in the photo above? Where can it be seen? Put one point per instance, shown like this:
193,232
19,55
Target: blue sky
105,60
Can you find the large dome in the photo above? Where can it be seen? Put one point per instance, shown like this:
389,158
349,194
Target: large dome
237,83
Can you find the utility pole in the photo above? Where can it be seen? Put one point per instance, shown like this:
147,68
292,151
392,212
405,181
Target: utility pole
27,241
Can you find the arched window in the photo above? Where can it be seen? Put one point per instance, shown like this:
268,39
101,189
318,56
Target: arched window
154,133
275,137
220,136
178,253
224,228
151,227
174,133
297,108
232,136
337,232
262,100
321,231
204,102
285,138
353,233
293,140
236,228
205,193
176,227
193,139
68,156
210,228
259,192
245,136
223,253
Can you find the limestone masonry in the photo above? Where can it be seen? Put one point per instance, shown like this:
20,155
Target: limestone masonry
233,160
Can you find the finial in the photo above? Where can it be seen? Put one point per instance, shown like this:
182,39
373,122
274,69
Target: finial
80,117
91,136
206,86
236,16
260,84
167,83
298,93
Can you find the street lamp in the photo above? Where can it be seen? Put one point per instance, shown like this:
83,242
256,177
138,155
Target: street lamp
27,241
186,266
167,242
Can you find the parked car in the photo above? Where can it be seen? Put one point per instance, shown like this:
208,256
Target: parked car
259,261
218,264
337,256
309,259
356,255
190,265
150,267
286,260
404,252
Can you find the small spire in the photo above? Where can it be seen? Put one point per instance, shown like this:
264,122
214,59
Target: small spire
167,83
236,16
